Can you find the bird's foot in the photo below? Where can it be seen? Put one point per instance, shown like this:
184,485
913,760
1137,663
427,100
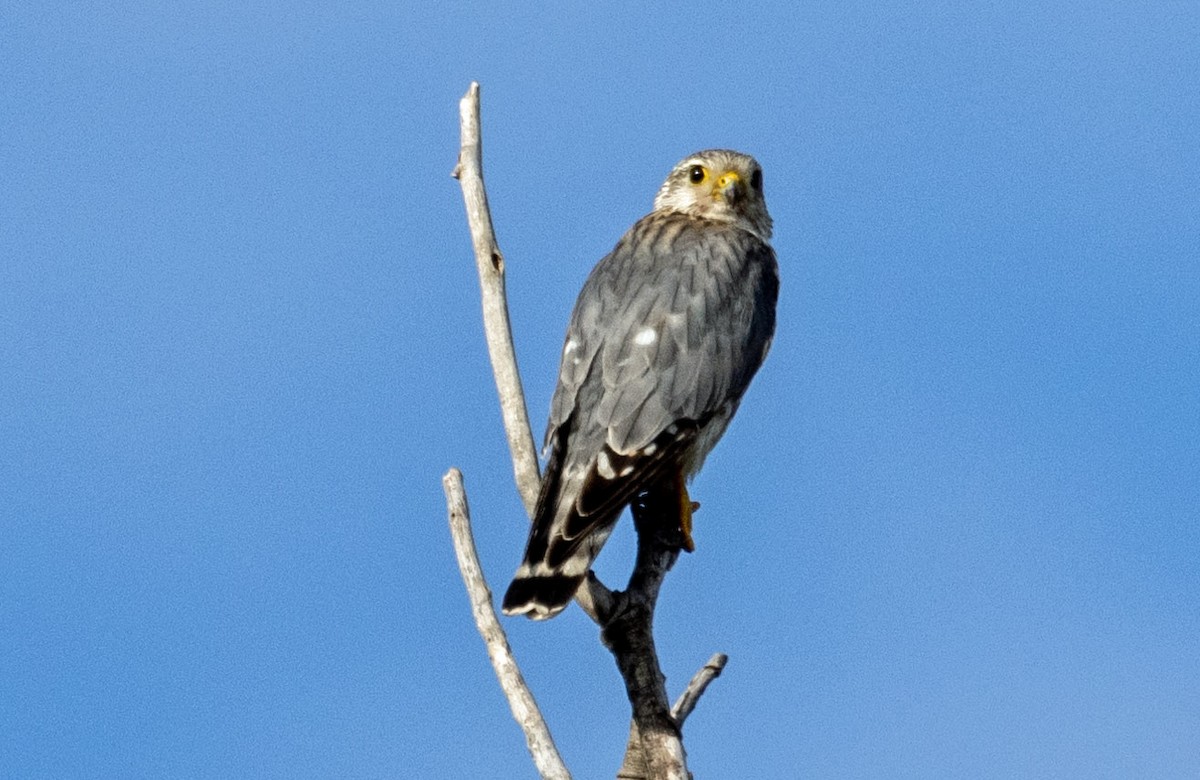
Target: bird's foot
686,507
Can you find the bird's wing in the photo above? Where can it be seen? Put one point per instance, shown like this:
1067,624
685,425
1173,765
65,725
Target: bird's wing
668,330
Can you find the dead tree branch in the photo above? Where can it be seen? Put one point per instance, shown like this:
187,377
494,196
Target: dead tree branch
490,263
655,747
524,708
690,697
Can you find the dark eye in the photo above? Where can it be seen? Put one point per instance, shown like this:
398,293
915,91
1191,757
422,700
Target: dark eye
756,180
696,174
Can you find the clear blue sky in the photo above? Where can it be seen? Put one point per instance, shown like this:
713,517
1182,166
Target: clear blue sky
952,533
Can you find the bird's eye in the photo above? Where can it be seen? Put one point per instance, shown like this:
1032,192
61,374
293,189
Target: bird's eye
697,174
756,180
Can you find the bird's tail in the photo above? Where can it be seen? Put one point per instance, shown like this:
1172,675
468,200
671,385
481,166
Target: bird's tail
541,595
575,514
553,569
561,548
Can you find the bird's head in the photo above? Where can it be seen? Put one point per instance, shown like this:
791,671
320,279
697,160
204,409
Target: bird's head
718,184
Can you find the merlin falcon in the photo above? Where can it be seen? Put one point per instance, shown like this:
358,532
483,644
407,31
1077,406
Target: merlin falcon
666,335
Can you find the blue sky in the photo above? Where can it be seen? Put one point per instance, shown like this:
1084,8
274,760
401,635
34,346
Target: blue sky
952,533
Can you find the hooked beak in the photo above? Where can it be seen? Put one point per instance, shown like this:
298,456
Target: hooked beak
729,187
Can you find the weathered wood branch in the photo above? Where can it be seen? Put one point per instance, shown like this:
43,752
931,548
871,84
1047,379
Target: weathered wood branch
634,766
490,263
690,697
520,700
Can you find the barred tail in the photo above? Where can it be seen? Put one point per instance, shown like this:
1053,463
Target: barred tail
540,596
569,528
553,569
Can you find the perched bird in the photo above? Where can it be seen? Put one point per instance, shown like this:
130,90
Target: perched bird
665,337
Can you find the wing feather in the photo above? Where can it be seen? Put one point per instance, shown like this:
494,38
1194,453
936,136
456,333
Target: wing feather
707,293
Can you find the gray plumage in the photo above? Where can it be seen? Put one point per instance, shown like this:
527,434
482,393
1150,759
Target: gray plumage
666,335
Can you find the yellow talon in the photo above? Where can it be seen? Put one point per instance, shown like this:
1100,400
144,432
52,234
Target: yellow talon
686,507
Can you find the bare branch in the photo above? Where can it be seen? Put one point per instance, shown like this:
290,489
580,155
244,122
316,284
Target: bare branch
655,748
490,264
524,708
690,697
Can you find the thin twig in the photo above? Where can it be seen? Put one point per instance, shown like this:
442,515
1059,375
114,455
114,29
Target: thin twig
690,697
490,263
524,708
